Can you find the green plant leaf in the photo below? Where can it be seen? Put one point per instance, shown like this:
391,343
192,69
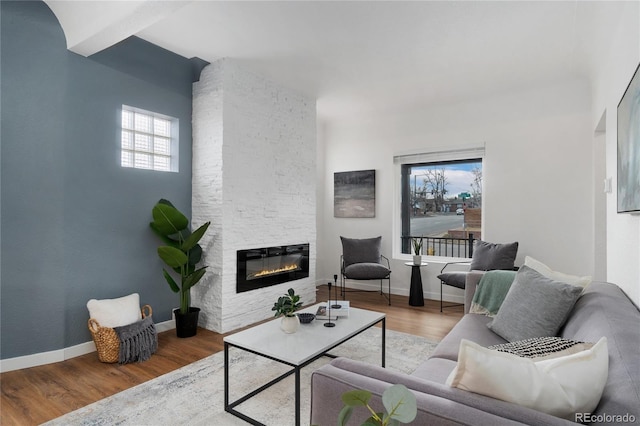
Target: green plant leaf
356,398
400,403
172,256
192,279
165,238
171,281
168,220
193,239
195,254
344,415
371,421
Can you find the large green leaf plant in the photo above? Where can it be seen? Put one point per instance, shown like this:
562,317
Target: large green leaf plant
181,252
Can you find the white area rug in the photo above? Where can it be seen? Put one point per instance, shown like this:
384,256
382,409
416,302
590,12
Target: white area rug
194,394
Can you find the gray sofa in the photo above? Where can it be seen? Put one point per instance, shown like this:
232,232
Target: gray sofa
602,310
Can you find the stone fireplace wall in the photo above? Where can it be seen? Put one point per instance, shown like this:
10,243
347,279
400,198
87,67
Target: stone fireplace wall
254,166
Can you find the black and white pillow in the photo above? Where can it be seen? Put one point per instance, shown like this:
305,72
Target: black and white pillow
539,348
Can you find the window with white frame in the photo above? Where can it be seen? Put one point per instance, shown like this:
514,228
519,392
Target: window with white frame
149,140
440,202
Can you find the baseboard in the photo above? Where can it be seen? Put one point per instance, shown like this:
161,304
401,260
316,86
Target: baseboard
59,355
449,298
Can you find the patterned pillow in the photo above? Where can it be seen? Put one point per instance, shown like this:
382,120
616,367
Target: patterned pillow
539,348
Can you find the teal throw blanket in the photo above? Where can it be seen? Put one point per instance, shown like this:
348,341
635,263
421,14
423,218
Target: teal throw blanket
491,291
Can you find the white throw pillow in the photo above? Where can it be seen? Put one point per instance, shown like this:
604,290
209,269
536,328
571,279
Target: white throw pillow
555,275
115,312
559,386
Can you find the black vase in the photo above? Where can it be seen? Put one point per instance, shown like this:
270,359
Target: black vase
186,324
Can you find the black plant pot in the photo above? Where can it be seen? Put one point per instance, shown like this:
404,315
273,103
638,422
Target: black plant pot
186,324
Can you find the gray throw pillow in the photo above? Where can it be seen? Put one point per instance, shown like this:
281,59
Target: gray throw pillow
455,279
490,256
366,250
535,306
366,271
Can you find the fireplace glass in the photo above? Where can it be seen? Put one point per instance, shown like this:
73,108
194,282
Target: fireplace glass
263,267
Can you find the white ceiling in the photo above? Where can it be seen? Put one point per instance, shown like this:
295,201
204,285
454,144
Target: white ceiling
359,56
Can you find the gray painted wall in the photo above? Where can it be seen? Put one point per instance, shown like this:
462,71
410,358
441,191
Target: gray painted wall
74,224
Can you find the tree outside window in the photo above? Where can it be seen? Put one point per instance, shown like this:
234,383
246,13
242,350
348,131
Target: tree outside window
442,201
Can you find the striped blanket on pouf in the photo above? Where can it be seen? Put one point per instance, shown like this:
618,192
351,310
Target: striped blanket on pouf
138,341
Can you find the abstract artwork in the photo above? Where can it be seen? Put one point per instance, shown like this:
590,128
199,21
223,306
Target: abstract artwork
629,147
354,194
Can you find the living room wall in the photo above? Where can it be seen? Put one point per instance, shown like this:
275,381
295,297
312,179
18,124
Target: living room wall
617,55
74,223
537,175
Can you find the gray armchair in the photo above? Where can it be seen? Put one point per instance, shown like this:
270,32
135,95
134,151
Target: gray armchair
486,257
362,259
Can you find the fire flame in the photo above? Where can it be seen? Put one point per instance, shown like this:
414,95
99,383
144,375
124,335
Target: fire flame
287,268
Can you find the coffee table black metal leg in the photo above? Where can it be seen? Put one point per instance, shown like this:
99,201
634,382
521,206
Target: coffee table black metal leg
384,341
226,375
297,396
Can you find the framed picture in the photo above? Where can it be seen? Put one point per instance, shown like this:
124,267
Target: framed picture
629,147
354,194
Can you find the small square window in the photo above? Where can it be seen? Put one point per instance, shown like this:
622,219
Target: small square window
149,140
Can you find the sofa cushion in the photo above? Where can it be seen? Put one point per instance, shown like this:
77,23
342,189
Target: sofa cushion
455,279
535,306
540,348
605,310
560,386
366,271
555,275
490,256
472,327
366,250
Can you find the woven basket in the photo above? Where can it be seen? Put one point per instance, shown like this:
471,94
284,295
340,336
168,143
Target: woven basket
106,339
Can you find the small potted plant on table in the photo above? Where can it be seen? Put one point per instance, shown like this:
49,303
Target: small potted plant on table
286,306
417,247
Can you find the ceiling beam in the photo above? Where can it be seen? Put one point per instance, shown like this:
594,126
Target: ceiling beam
91,29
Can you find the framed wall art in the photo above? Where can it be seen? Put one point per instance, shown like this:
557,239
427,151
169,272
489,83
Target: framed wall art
629,147
354,194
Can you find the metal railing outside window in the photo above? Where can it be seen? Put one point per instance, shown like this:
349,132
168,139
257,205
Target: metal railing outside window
442,246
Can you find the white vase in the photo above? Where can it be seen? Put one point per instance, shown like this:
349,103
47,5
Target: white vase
290,324
417,259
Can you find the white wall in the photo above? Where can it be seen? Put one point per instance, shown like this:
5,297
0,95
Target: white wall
615,62
254,178
537,175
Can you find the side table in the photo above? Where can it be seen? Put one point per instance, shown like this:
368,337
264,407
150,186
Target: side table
416,296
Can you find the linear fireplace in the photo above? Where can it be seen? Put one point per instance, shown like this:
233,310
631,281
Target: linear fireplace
263,267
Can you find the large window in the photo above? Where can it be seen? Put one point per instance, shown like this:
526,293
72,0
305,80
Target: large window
441,202
149,140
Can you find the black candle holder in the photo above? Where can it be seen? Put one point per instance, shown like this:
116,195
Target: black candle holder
335,305
329,323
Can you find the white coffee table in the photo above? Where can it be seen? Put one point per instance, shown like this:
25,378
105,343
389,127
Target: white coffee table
297,350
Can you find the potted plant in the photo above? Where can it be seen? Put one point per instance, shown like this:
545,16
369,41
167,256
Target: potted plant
181,253
417,247
286,306
399,403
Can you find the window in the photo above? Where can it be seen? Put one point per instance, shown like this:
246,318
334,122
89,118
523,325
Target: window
441,201
149,140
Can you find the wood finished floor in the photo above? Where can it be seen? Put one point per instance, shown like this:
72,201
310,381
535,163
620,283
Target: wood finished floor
35,395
